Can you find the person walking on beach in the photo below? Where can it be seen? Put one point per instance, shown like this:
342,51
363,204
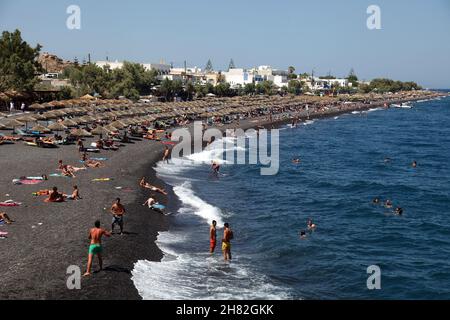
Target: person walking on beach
95,247
212,237
166,155
117,211
226,242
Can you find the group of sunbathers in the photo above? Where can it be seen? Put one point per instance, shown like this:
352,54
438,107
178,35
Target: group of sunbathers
151,202
55,196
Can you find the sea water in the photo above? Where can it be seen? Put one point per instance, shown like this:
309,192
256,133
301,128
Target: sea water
346,161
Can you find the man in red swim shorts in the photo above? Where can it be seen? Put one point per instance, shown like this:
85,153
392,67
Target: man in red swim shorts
212,236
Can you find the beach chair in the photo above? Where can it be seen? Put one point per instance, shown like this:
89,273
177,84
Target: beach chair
22,133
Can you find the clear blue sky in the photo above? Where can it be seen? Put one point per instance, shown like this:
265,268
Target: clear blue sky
327,35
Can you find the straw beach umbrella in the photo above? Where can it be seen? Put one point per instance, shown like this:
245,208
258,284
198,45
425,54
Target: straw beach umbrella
26,119
80,133
69,123
118,124
11,124
40,128
100,131
36,106
57,126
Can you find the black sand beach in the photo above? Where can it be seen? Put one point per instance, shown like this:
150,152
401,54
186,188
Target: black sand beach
49,237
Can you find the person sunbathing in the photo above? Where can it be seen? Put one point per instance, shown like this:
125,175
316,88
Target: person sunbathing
152,204
147,185
41,193
55,196
68,168
67,172
75,194
5,218
92,163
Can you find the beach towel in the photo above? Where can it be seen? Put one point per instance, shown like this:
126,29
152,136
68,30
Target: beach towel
92,150
9,204
58,175
158,206
3,233
170,143
102,179
125,189
26,181
95,159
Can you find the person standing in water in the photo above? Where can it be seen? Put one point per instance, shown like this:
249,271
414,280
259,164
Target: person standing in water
215,167
212,237
95,247
166,155
226,242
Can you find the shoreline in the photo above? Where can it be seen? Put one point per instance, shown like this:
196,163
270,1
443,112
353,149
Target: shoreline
114,283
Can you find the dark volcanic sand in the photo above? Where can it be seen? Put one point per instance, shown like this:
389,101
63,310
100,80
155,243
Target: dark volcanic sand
34,260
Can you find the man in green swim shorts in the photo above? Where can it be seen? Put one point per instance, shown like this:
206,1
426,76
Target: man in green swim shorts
95,248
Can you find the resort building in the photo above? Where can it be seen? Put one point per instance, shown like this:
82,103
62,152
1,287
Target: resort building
240,77
161,68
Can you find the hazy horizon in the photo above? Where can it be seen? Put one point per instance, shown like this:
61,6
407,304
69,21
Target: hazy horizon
327,37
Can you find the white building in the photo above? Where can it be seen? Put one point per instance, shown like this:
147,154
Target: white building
240,77
325,84
161,68
278,80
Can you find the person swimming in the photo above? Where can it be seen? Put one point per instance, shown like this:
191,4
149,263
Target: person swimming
398,211
310,224
388,203
302,234
414,164
376,201
296,160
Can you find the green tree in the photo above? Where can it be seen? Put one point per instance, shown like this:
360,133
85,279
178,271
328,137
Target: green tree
352,78
231,65
265,87
223,89
65,93
249,89
165,89
18,63
294,87
190,90
209,66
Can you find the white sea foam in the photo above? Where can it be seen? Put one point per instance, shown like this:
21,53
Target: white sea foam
187,270
197,205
